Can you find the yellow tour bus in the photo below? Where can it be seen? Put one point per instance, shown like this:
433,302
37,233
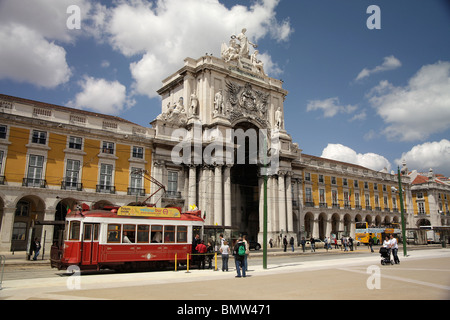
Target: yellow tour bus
363,232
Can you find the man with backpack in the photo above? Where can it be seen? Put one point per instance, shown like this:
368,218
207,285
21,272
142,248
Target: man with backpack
239,257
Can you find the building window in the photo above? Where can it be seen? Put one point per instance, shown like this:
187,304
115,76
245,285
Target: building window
367,197
357,200
334,196
322,196
72,175
39,137
136,182
22,209
108,147
105,183
307,176
355,183
19,231
421,208
35,171
172,186
333,180
3,130
308,195
345,182
75,143
138,152
321,178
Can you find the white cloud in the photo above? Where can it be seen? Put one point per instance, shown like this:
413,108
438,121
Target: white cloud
342,153
27,57
162,34
420,109
46,17
428,155
389,63
330,107
100,95
28,31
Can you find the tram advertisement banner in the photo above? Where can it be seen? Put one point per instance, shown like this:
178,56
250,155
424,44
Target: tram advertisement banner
149,212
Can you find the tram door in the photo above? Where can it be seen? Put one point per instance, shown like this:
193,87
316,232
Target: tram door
90,243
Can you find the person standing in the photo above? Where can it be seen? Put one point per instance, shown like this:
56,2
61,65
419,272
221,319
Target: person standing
201,249
239,257
285,243
291,242
371,243
225,250
313,244
247,251
394,247
303,243
36,247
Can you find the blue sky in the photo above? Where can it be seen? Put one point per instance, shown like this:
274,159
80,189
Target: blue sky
366,96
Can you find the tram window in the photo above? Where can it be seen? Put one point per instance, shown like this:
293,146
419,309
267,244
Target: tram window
129,233
87,232
96,229
142,234
74,230
156,234
114,231
169,234
181,234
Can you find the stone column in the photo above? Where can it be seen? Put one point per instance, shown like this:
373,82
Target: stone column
282,202
290,217
227,195
6,229
315,231
192,189
218,197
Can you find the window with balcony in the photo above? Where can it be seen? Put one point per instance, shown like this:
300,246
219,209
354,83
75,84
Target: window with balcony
71,180
172,184
136,186
35,172
106,176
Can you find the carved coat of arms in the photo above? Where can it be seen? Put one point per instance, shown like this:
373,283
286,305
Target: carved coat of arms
244,101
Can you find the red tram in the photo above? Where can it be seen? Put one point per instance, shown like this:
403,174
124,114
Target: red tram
127,238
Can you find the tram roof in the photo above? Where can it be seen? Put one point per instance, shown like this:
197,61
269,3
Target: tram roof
185,216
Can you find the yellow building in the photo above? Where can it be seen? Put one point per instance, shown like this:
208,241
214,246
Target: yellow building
431,198
53,158
336,195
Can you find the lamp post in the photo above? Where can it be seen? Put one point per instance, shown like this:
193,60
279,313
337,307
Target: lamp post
402,209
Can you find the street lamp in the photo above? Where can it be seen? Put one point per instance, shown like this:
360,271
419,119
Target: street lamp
402,209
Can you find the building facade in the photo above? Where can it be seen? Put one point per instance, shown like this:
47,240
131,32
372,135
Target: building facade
53,158
210,109
219,135
430,198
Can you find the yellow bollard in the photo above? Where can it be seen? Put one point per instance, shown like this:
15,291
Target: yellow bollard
176,264
187,263
215,261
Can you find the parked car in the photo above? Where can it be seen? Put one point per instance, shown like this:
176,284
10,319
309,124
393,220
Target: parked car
317,242
254,245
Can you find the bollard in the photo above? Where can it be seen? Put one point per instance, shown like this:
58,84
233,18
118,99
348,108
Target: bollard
215,261
187,263
176,264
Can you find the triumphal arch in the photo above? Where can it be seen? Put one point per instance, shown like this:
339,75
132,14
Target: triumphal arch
220,131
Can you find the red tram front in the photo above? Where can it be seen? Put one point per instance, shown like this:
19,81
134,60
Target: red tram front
129,238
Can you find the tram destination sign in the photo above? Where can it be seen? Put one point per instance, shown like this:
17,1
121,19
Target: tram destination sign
149,212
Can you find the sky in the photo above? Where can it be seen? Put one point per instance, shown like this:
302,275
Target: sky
367,85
